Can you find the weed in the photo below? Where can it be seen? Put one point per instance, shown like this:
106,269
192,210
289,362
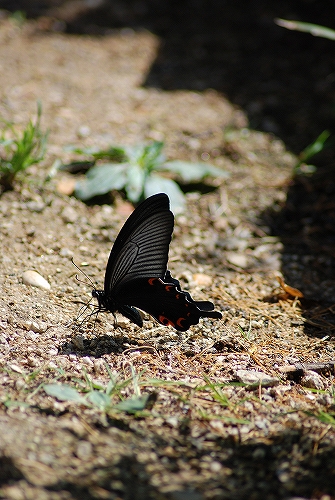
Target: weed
20,151
109,398
96,395
140,171
316,147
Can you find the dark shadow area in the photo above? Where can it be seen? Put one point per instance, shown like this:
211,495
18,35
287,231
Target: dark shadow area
290,464
98,346
9,471
306,227
283,80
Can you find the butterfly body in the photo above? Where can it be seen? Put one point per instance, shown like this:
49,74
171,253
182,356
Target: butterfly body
137,275
107,303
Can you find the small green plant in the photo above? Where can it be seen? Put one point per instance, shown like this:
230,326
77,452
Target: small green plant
96,395
109,398
302,167
140,171
20,151
18,17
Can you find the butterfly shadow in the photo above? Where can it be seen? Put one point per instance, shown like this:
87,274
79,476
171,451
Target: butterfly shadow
96,346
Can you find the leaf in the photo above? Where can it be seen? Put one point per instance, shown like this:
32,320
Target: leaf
135,182
148,156
116,153
64,392
313,29
311,150
110,387
153,156
102,179
16,404
193,172
135,404
316,146
134,153
322,416
99,399
157,184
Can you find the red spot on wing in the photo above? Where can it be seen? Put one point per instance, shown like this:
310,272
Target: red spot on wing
151,281
165,321
179,321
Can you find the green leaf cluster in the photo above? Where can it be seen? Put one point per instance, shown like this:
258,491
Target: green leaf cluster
100,396
140,171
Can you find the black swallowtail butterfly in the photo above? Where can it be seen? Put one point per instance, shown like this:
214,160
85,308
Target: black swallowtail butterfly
137,275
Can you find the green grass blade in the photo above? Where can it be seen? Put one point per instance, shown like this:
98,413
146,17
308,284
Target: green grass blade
313,29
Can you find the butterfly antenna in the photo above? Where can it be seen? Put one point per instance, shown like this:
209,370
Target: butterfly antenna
84,308
84,274
79,322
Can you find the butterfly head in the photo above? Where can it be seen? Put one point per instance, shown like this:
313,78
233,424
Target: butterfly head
105,302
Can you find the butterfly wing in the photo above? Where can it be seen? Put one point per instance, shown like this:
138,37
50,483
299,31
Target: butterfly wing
166,302
141,248
204,305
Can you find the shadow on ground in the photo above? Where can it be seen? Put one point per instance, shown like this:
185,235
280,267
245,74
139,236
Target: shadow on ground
289,463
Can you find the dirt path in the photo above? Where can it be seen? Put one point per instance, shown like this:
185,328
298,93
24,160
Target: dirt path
203,438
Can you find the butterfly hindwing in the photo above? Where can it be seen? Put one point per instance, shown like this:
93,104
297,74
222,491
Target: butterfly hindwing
168,304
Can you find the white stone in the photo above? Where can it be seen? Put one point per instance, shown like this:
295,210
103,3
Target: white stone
255,378
33,278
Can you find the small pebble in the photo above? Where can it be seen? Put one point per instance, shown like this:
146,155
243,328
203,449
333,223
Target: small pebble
69,215
35,327
66,186
31,231
255,379
15,368
237,259
33,278
312,380
32,361
84,450
215,466
20,384
78,342
172,421
52,352
65,252
87,361
123,322
35,206
202,279
83,131
99,365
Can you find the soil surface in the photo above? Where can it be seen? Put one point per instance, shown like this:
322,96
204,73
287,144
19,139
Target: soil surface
241,408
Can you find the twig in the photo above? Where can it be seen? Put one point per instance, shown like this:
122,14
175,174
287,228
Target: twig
303,367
